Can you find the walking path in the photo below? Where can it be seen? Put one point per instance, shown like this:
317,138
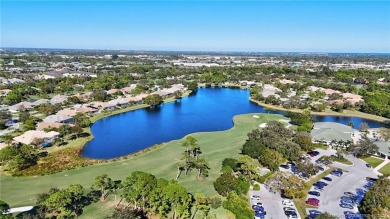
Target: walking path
386,161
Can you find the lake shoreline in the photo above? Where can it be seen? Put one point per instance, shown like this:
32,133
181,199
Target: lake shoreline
356,113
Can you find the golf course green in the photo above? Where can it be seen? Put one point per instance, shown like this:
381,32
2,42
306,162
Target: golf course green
160,161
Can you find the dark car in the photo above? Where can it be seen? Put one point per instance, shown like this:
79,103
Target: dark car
343,205
260,215
346,201
314,213
368,165
320,183
336,173
312,216
284,166
313,153
320,168
327,178
293,214
290,212
314,193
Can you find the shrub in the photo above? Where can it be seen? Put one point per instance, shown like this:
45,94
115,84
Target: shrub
215,202
256,187
238,206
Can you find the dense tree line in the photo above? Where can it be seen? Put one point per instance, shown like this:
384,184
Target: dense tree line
275,136
141,196
376,202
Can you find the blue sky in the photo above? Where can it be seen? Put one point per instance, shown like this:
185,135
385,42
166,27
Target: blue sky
264,26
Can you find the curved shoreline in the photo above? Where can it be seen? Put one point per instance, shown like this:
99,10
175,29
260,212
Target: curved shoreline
294,110
169,100
117,112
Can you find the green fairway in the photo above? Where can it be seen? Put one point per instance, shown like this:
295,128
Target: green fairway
160,161
373,161
385,170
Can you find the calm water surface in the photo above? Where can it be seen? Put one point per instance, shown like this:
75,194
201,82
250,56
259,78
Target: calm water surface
210,109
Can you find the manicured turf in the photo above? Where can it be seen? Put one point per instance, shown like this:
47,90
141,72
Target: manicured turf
385,170
160,161
373,161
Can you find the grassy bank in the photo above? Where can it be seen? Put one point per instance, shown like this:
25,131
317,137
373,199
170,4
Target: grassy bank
373,161
385,170
346,113
160,161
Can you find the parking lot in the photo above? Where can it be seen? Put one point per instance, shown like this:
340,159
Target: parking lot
272,203
348,182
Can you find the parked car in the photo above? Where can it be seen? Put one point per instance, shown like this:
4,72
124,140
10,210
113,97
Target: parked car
327,178
314,193
288,213
349,194
313,200
368,165
293,215
313,153
347,202
314,213
320,183
255,197
259,204
315,204
288,209
336,173
284,166
259,215
320,168
346,198
287,202
343,205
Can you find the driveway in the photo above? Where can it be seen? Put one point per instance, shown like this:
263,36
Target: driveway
272,203
348,182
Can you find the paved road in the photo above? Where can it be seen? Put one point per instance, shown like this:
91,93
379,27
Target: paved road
272,203
348,182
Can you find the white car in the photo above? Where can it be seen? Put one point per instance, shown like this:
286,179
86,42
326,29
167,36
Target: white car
255,197
287,202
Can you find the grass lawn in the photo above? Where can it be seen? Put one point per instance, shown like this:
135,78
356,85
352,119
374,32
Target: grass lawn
385,170
341,160
160,161
105,209
373,161
300,203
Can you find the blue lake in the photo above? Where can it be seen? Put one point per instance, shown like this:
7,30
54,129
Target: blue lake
210,109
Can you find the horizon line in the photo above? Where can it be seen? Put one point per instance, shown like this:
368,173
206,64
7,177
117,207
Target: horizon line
188,51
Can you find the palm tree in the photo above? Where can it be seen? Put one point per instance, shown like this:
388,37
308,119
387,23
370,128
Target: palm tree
202,167
180,167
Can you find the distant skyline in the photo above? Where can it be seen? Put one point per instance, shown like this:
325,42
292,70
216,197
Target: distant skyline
247,26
